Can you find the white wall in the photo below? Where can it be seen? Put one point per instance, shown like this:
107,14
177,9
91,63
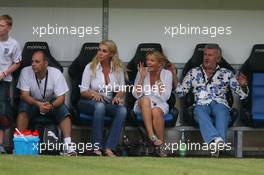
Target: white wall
129,27
63,47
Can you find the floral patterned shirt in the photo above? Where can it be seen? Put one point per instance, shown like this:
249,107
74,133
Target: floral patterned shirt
207,90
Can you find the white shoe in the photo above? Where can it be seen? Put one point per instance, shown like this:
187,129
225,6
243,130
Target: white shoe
218,141
68,150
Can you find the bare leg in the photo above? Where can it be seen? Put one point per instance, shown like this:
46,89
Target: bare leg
22,121
145,106
65,126
1,136
158,123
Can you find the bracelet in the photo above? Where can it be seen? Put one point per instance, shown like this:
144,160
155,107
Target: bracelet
52,105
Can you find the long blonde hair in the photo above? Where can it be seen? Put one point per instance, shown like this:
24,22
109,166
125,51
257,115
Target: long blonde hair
117,65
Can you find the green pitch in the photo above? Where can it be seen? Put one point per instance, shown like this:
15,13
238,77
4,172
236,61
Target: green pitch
24,165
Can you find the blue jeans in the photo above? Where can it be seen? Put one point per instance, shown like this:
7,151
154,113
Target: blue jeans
213,120
99,110
5,106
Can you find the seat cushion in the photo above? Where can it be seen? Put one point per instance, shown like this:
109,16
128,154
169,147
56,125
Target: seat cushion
168,119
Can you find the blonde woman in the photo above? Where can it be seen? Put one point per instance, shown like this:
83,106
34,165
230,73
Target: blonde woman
102,93
152,89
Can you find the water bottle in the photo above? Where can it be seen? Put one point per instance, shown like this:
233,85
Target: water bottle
35,143
182,146
20,143
125,146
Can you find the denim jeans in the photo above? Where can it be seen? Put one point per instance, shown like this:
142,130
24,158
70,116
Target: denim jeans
5,106
213,120
99,110
57,115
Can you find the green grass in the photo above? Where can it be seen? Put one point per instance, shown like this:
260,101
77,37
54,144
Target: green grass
26,165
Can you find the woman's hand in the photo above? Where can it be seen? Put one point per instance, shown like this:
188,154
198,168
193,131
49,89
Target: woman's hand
173,70
97,97
117,100
142,70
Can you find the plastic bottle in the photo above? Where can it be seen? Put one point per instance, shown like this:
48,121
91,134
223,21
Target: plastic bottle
126,145
182,146
34,144
20,143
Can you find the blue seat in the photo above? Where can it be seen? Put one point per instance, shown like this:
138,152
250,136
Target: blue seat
258,99
252,108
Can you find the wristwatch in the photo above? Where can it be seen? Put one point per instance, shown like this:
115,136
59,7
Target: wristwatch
118,98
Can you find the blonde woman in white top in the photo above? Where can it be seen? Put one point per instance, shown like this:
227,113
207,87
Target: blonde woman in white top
152,89
102,95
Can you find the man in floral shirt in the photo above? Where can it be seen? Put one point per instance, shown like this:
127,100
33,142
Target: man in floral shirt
209,84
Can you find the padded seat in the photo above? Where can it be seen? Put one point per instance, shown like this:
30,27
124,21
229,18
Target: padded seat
252,111
258,99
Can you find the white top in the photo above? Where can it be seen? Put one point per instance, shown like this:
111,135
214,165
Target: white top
157,99
97,82
56,84
10,53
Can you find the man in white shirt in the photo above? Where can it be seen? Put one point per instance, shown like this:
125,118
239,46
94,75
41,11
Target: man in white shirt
43,91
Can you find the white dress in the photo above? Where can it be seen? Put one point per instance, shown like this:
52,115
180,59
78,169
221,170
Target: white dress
157,99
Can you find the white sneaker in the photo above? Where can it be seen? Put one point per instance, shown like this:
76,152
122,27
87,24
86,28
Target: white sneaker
215,146
218,141
68,150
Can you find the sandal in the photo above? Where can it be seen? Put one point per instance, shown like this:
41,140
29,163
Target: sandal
155,140
97,153
109,153
162,151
